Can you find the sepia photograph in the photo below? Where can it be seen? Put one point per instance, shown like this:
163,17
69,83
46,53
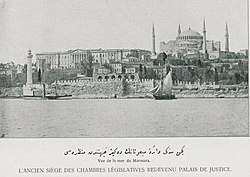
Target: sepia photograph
123,68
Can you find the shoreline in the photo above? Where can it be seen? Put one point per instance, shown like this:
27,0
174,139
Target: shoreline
136,97
180,93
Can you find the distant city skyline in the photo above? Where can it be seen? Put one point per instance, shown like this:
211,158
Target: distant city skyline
53,25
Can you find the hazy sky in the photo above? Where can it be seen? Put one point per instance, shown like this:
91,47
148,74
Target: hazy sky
59,25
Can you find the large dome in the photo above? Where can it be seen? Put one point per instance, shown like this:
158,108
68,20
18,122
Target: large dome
190,32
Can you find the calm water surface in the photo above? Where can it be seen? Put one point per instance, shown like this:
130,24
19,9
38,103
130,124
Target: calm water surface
123,118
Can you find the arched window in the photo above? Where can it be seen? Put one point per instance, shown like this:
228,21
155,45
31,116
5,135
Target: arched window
99,78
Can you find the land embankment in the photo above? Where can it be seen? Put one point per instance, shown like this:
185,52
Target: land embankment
134,89
11,92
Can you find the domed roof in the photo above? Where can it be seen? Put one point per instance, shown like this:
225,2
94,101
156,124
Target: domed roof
190,32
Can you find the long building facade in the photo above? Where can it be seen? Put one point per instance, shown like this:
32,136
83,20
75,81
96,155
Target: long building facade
72,58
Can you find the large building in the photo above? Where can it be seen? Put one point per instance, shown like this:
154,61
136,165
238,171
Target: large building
187,41
63,60
191,43
73,58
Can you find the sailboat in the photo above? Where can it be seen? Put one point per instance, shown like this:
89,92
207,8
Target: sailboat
163,91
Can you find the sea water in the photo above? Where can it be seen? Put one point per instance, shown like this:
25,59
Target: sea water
123,118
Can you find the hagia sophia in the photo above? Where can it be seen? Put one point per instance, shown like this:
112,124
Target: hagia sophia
190,44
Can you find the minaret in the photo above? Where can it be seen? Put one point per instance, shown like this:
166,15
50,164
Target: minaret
153,35
204,39
204,36
226,40
179,30
29,68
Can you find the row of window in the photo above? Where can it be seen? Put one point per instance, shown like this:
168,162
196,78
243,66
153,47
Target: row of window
188,45
114,77
103,71
104,55
129,70
189,37
116,65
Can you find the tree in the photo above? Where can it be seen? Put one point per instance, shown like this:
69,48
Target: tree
90,66
162,57
125,87
39,76
216,77
174,76
167,69
140,71
144,72
221,69
199,63
3,81
209,75
238,78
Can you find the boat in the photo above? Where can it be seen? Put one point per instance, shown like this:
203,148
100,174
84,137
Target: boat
163,91
46,96
59,97
55,95
33,98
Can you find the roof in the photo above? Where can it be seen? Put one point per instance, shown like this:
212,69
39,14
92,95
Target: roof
132,58
115,62
190,32
128,66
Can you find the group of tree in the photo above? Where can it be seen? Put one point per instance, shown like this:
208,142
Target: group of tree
87,67
197,70
147,73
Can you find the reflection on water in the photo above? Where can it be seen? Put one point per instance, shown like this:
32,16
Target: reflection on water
123,118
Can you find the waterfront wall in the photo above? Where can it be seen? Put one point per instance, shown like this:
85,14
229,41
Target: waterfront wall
11,92
133,88
120,88
141,88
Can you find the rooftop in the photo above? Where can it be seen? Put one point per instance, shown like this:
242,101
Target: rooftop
190,32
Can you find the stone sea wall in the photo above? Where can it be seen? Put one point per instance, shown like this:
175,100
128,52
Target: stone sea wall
105,89
211,90
211,93
14,92
141,89
134,89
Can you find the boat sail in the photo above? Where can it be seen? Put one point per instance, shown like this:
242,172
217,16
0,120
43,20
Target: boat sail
154,89
164,90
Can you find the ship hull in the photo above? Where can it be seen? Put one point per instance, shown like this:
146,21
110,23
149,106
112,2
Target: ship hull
57,97
164,97
33,98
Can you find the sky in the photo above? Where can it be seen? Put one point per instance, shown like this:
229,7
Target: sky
60,25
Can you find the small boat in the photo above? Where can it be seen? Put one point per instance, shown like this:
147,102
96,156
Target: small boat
45,96
33,98
55,96
163,91
59,97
